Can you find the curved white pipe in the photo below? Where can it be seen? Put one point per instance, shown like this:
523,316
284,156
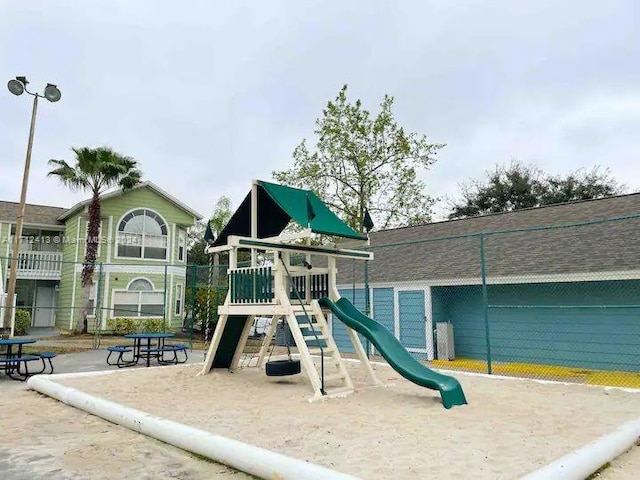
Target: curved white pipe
582,462
241,456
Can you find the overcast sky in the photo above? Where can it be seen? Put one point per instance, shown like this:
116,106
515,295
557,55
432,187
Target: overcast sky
208,95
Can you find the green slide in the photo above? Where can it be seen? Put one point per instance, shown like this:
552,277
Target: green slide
229,341
394,353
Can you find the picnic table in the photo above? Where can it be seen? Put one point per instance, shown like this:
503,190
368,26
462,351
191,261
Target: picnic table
145,347
15,364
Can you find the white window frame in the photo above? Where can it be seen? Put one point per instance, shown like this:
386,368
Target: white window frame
93,295
140,292
142,257
182,244
179,300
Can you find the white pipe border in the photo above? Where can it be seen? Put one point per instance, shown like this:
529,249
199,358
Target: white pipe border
586,460
238,455
571,466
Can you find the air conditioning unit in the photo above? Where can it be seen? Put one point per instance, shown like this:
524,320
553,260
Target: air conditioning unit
444,336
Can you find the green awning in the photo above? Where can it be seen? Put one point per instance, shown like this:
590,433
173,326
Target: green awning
277,205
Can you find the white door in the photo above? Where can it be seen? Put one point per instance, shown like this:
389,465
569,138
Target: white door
45,297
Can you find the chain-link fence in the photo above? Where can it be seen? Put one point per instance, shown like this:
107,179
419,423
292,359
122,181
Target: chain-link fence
558,302
121,298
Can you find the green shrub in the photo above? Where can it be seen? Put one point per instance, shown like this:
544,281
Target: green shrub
22,322
152,325
122,326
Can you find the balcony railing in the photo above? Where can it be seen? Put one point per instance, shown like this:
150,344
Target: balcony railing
39,265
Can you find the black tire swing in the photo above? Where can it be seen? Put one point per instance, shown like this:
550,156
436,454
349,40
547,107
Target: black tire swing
286,367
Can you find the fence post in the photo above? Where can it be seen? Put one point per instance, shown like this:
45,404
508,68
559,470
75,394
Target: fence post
98,311
367,301
485,302
209,284
164,303
194,286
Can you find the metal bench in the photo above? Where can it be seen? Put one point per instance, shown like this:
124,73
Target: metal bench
120,350
13,365
159,353
46,358
178,347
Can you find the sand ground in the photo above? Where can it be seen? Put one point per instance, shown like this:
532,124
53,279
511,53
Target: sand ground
42,438
509,428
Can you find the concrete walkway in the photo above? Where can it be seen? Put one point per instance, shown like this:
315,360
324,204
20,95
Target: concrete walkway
96,360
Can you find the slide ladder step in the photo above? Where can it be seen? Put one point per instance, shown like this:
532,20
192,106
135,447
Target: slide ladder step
335,376
320,336
318,351
338,392
313,325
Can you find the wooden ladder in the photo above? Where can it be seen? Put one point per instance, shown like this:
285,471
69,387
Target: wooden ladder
337,381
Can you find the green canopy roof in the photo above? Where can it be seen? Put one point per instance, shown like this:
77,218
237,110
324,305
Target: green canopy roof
277,205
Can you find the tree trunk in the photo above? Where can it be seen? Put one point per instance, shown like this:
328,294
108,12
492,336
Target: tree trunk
92,242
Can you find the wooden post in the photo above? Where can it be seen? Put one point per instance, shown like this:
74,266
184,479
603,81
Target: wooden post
267,340
254,220
244,336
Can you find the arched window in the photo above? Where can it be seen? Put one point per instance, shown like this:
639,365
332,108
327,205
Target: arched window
138,300
140,285
142,234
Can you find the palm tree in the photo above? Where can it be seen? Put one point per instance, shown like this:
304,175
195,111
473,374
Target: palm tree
96,170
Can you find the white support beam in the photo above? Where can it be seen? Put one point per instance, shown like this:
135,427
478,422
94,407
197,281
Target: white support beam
306,233
218,249
244,336
362,356
266,342
263,244
215,343
265,310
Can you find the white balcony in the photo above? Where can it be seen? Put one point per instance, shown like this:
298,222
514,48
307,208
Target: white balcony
39,265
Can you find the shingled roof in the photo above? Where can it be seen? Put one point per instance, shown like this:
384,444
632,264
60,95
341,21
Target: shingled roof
33,214
449,252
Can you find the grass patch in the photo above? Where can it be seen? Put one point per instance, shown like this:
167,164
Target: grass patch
59,350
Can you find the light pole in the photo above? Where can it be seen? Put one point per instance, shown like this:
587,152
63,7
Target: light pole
18,86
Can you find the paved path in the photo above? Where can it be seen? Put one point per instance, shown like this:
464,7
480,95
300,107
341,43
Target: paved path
95,360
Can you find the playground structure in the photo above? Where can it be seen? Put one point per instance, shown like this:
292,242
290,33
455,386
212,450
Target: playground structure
301,294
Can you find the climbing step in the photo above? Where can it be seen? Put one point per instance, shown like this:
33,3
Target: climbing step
338,392
315,337
328,362
314,325
335,376
320,351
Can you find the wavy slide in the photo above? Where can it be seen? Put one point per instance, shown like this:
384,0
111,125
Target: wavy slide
395,354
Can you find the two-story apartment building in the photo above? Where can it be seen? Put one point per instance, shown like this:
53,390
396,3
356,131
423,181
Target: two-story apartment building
141,262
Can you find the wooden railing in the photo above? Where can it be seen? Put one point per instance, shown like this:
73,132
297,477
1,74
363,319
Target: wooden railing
256,285
318,283
251,285
39,265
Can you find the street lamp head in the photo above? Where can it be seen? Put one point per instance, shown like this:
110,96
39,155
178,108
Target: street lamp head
16,87
52,93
